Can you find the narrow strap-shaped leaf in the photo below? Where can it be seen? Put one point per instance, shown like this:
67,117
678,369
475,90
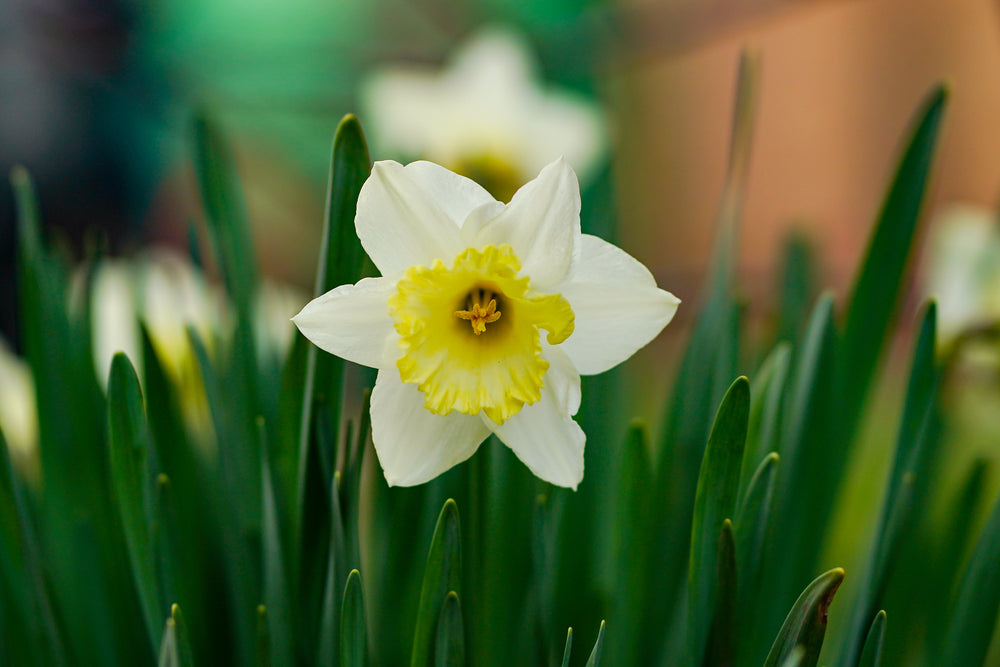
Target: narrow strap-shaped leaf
752,521
707,368
569,647
184,653
330,620
226,212
24,567
442,575
129,445
974,614
797,288
805,624
595,655
871,653
633,547
449,641
262,639
169,655
715,501
877,287
276,588
353,628
720,650
909,467
767,391
166,537
812,464
339,262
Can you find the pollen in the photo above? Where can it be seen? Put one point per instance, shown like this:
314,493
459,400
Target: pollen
477,314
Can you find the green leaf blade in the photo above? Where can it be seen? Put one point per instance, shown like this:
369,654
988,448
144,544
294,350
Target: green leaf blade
129,447
806,622
449,641
877,287
442,575
353,629
715,502
977,606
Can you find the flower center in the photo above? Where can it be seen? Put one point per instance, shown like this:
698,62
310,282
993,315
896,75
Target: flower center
434,309
478,314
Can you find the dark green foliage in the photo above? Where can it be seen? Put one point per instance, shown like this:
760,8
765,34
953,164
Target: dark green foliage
694,543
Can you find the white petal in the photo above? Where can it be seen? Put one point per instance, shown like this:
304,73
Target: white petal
617,304
542,224
455,194
412,444
546,439
562,378
352,321
399,222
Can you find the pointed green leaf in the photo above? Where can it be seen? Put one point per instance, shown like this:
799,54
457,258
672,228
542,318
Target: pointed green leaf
130,476
715,501
442,575
805,624
169,654
767,392
709,364
184,654
340,259
449,643
721,647
752,521
797,287
595,655
633,546
330,620
225,209
276,588
974,613
812,465
877,287
910,468
569,647
22,566
871,654
262,639
353,629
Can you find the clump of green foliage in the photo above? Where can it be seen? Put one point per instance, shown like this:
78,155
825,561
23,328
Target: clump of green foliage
700,546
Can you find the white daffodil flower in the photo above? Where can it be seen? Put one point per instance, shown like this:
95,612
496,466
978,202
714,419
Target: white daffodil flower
453,325
485,115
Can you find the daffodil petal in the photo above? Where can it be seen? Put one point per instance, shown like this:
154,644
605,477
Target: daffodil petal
542,224
562,378
399,222
412,444
547,440
353,322
457,195
618,307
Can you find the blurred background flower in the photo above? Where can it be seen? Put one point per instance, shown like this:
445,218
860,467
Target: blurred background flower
963,270
486,115
18,415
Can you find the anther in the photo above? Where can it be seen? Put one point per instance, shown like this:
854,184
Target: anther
478,315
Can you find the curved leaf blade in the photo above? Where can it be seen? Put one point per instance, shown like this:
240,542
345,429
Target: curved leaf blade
442,575
805,624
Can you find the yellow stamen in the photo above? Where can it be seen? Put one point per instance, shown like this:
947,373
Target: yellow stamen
479,316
